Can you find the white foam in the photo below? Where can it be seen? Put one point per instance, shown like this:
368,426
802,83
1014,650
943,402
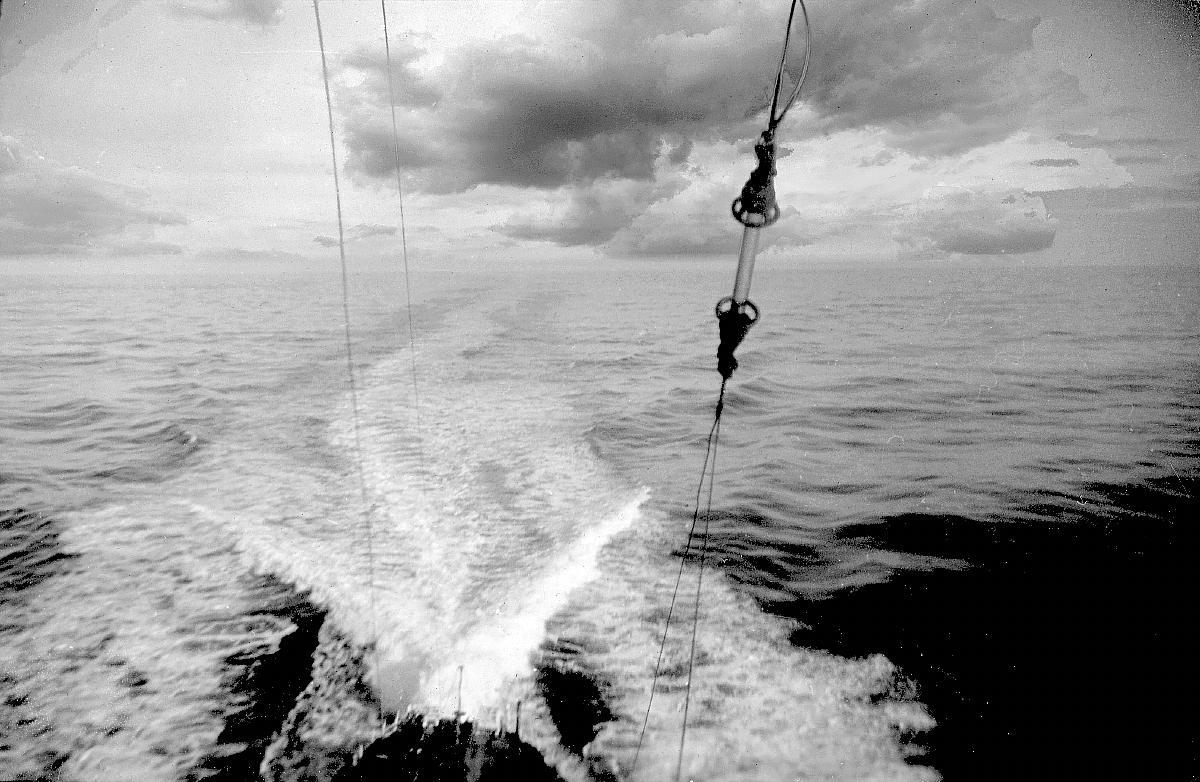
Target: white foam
486,511
492,527
760,708
497,651
504,520
123,654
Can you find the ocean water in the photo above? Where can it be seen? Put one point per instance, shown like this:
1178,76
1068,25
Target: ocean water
952,529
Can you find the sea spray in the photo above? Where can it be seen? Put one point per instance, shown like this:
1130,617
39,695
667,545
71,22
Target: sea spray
498,650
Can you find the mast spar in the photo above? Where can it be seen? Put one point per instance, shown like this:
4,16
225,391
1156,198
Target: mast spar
755,208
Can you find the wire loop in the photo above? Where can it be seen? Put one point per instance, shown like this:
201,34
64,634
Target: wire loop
777,114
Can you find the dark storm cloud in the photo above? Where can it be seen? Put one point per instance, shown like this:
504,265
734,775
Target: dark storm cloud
941,76
623,91
593,214
260,13
46,208
596,104
373,151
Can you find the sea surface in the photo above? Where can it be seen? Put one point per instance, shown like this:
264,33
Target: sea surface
952,531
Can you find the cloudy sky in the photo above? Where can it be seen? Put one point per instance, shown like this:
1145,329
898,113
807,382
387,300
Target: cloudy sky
194,130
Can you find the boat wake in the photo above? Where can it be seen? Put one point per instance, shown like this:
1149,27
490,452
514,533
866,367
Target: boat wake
506,566
256,612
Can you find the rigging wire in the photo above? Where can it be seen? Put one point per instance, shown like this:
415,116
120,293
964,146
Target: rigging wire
787,36
687,691
362,478
709,468
709,454
412,347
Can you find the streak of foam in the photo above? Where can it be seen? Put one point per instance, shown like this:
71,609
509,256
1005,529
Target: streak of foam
511,512
761,709
499,649
120,666
479,530
493,526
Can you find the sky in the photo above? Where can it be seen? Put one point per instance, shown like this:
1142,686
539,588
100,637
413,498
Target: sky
189,131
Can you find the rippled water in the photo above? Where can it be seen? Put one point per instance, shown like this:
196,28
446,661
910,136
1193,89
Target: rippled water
951,533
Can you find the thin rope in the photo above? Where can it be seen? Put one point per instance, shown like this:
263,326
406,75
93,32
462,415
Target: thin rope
776,119
709,467
362,478
679,576
412,345
687,692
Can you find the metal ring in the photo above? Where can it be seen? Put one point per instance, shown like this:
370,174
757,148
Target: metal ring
747,308
741,215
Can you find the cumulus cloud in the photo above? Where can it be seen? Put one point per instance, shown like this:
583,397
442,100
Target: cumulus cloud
597,98
593,214
592,102
1055,162
409,86
46,208
604,108
942,76
261,13
970,222
691,221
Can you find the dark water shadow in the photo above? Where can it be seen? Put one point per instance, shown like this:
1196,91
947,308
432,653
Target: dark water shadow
262,686
1055,648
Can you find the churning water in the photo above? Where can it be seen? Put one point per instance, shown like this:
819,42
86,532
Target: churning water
951,532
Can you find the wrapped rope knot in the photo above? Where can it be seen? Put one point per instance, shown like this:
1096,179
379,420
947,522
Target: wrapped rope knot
756,207
734,320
